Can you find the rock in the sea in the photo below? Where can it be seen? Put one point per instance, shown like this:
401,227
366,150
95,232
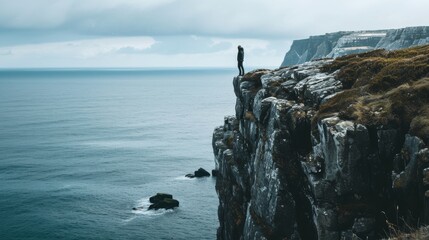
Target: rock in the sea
166,203
201,172
162,200
215,172
159,197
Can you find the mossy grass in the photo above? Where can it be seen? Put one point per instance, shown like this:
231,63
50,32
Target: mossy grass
383,88
255,75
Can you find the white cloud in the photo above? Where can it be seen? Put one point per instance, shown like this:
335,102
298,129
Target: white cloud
5,52
46,14
137,52
79,49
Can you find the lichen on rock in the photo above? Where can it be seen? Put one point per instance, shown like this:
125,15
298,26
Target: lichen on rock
329,149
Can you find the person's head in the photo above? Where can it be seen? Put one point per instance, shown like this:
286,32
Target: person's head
240,47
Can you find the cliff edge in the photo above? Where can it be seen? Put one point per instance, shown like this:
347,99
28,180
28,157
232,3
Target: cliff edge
333,45
329,149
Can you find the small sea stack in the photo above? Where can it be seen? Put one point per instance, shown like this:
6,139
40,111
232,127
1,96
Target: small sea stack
201,172
163,200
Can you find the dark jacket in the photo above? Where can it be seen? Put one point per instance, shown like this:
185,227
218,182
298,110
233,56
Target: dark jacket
240,55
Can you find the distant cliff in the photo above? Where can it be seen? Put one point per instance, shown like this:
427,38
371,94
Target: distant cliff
332,45
329,149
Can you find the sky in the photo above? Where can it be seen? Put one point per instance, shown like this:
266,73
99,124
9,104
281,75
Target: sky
181,33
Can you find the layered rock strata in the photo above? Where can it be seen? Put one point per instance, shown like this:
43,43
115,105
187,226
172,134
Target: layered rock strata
282,176
332,45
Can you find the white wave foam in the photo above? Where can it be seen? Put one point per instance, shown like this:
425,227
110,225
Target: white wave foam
147,212
182,178
142,209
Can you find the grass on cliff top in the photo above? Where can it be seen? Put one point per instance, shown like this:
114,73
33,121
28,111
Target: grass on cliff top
383,88
419,234
255,75
381,70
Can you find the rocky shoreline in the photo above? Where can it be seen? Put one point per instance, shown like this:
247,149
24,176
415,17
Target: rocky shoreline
297,161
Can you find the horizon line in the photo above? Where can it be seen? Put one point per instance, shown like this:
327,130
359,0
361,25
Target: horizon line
4,69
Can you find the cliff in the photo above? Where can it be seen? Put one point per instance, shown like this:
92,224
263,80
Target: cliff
329,149
332,45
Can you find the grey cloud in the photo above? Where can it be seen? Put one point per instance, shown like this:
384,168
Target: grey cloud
129,50
186,45
32,36
253,19
279,46
250,18
173,45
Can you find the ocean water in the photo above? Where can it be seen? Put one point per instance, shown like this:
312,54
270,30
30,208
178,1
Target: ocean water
80,148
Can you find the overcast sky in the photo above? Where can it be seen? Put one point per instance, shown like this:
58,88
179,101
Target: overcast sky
181,33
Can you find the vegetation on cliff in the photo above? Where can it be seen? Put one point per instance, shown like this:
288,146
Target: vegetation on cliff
343,180
383,89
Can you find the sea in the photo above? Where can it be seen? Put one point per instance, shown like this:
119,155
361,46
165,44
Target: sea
80,148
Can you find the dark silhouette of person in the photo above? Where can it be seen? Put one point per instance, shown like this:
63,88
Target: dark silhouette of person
240,59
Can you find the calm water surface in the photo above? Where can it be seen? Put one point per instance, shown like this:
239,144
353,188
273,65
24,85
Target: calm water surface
79,149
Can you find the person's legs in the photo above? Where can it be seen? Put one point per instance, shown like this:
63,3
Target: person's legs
240,68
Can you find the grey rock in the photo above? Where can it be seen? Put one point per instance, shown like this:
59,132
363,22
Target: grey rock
201,172
279,178
345,146
251,230
239,109
404,37
349,235
163,200
159,197
363,226
166,203
269,79
261,108
236,83
289,84
388,143
407,178
326,223
332,45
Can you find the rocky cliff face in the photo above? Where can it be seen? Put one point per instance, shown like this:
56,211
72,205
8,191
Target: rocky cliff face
332,45
295,163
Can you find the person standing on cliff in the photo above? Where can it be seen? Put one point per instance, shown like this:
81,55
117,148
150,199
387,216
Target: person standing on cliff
240,59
